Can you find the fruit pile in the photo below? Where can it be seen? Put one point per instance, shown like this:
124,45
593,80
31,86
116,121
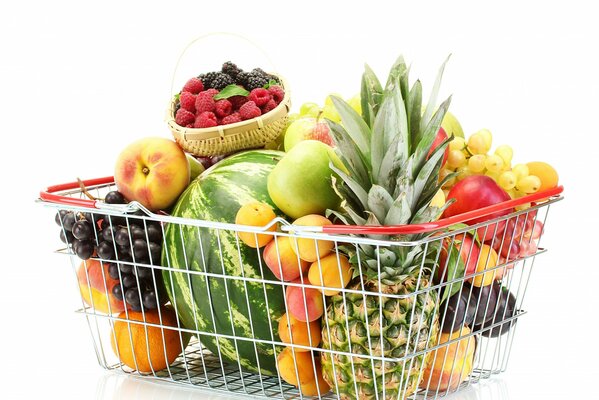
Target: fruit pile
381,158
226,97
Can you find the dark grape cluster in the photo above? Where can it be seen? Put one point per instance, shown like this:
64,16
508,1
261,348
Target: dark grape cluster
130,245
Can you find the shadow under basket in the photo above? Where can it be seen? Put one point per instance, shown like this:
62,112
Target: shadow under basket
225,139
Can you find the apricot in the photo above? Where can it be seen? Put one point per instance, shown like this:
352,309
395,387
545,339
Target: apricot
282,260
312,249
545,172
96,287
294,331
450,365
318,386
255,214
305,304
296,367
331,272
487,259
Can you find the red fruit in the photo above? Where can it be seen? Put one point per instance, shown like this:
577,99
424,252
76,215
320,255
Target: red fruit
223,108
441,136
237,101
184,117
277,93
188,101
205,102
231,119
206,119
194,86
469,252
271,105
249,110
260,96
474,192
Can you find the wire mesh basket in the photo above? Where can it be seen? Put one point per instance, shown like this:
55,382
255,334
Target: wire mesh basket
450,323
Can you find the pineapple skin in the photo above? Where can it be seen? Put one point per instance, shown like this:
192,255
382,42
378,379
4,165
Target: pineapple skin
409,325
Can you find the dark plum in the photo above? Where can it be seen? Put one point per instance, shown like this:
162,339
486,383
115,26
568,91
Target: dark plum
506,308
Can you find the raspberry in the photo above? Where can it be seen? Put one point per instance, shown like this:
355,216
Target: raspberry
271,105
193,86
223,108
249,110
231,119
277,93
259,96
205,119
237,101
184,117
205,101
188,101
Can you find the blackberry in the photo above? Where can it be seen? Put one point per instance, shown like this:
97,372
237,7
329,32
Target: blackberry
231,69
208,78
261,72
255,81
221,81
242,78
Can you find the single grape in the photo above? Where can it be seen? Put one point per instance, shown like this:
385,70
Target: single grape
125,268
143,272
493,175
507,180
505,152
494,163
155,252
128,280
60,216
123,251
154,233
68,221
69,237
150,301
115,197
83,248
521,170
108,233
83,230
132,296
106,250
117,291
476,163
137,233
121,236
140,249
113,271
487,137
476,144
205,162
529,184
456,159
463,172
458,143
215,159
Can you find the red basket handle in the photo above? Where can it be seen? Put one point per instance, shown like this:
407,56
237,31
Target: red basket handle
49,196
431,226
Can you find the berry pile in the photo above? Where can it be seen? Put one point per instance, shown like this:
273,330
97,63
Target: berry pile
128,244
227,96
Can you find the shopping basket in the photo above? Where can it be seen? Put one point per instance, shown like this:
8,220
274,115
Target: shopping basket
212,367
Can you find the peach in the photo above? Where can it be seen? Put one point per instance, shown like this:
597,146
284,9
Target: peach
318,386
312,249
96,289
153,171
282,261
305,304
296,367
255,214
450,365
487,259
293,331
331,272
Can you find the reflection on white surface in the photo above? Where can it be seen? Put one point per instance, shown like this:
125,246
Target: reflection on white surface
114,386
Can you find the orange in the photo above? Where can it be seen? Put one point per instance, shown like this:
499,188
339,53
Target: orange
545,172
143,355
255,214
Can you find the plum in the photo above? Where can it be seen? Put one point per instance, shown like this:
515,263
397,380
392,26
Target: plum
458,311
484,300
506,308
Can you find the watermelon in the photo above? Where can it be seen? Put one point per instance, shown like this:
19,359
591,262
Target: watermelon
216,304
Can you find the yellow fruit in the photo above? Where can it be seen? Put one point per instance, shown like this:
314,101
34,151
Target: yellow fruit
439,199
451,125
487,259
294,331
545,172
356,103
529,184
255,214
330,272
295,367
318,387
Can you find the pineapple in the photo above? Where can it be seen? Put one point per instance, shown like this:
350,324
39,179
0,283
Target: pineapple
391,181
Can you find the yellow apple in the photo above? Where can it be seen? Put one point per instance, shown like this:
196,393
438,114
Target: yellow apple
153,171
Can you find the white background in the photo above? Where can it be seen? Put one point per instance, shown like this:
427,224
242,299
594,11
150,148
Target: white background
79,82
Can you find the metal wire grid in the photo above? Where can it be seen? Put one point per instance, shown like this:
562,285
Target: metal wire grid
197,366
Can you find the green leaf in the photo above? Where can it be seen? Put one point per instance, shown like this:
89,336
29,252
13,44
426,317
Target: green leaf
355,187
414,107
386,132
355,127
177,97
455,270
270,83
432,100
399,213
379,201
424,175
398,69
230,91
370,95
349,154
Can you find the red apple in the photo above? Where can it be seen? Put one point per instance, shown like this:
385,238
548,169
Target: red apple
307,129
469,252
441,136
474,192
153,171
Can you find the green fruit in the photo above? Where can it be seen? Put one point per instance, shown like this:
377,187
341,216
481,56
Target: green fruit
195,167
214,304
309,110
301,183
307,128
451,125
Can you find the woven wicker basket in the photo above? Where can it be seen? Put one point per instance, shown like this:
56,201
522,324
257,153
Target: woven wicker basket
225,139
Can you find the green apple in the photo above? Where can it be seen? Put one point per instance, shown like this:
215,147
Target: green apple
301,183
307,129
451,125
195,167
309,110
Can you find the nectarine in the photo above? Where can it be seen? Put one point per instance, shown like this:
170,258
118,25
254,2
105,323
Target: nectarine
282,261
311,249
